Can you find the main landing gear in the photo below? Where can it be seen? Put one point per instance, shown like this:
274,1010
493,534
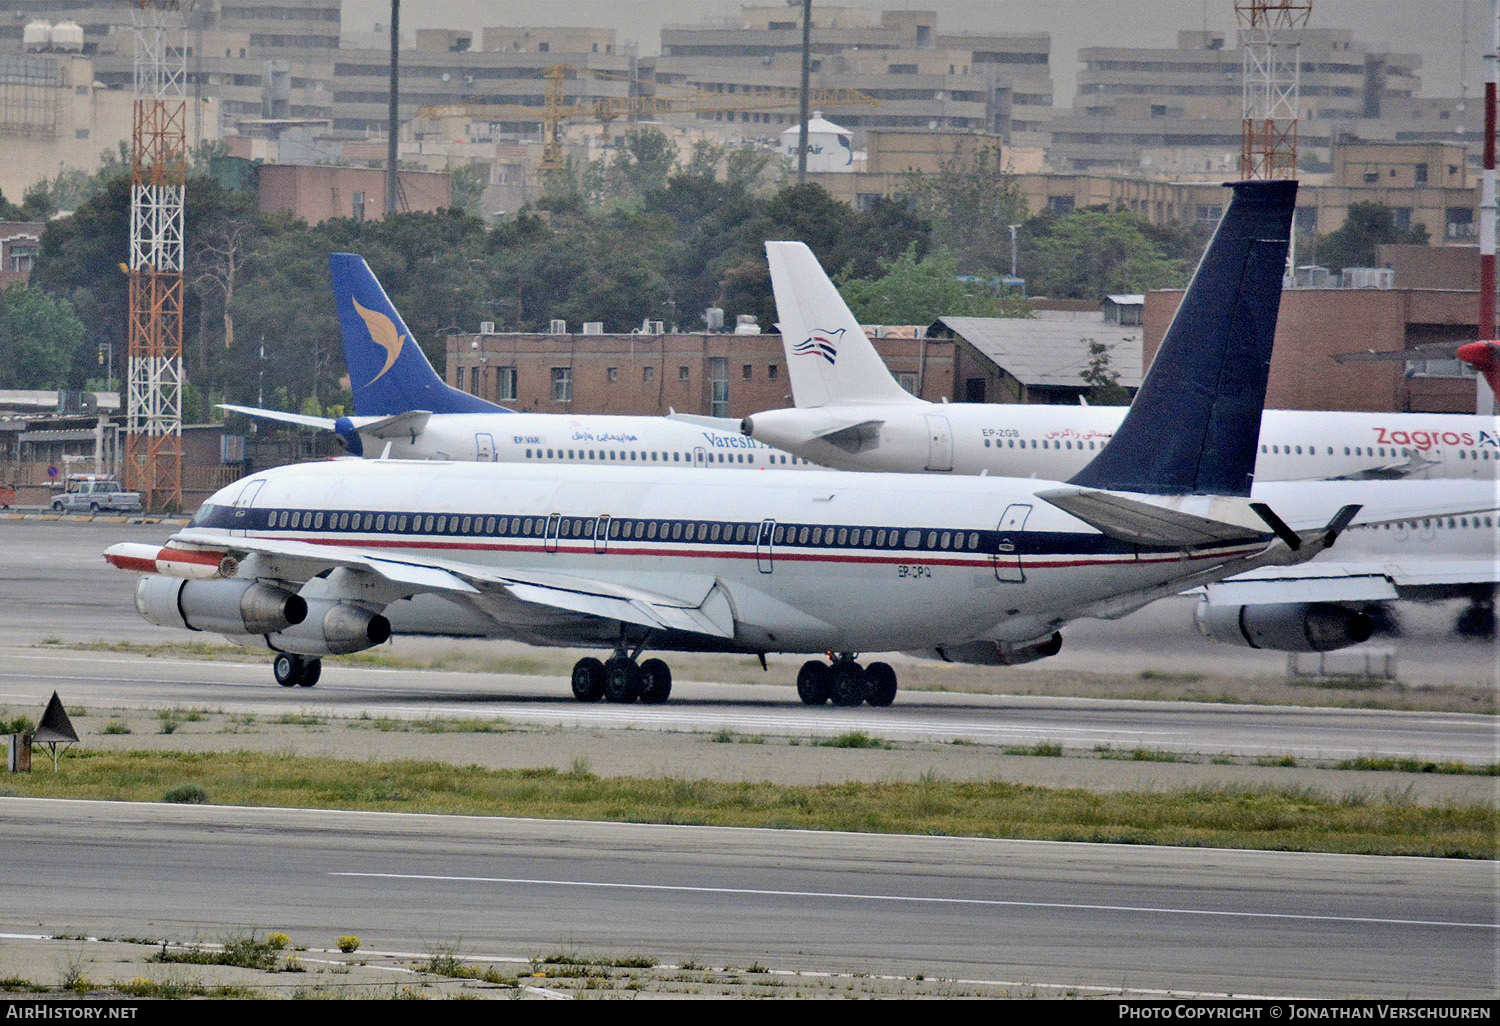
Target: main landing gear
846,683
294,671
621,679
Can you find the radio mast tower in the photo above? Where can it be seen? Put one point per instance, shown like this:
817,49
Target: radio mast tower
1272,68
158,174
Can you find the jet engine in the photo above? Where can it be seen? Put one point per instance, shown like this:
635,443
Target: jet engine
1285,626
999,653
224,606
332,628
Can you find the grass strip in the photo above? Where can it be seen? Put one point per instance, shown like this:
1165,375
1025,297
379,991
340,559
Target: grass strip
1289,819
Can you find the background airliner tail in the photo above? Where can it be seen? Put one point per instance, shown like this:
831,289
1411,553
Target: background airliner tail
1195,424
387,370
829,359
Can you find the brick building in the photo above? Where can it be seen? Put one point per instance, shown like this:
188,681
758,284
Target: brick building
20,242
710,375
1317,324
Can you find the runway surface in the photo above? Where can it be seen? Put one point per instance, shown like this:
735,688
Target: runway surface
107,680
1095,916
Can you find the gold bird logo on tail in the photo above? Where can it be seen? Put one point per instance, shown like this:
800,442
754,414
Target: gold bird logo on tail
384,334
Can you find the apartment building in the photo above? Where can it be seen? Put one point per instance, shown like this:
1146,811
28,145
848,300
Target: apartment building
924,79
1135,106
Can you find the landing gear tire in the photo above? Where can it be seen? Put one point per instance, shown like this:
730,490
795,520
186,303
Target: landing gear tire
882,681
1478,621
656,682
312,669
848,685
622,680
289,669
813,683
588,680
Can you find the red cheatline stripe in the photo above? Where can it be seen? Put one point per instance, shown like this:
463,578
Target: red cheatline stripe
190,556
145,566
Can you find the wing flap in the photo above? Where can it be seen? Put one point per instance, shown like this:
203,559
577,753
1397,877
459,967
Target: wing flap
1333,588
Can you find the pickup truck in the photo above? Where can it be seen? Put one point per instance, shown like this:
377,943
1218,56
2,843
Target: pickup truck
91,493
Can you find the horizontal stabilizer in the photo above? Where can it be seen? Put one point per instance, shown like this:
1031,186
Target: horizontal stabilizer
323,423
1162,522
728,425
402,425
859,437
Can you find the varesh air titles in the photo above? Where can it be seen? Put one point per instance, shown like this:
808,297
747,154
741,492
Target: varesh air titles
335,556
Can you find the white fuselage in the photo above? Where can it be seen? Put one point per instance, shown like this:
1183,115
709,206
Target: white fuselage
809,562
592,438
1056,442
820,561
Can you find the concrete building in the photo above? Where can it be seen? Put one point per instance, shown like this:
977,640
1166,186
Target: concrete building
997,83
1317,324
1135,105
316,193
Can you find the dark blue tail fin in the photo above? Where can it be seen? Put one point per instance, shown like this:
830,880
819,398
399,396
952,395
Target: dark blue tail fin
1195,424
387,371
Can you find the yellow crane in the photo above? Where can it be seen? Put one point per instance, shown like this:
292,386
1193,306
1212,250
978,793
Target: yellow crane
555,108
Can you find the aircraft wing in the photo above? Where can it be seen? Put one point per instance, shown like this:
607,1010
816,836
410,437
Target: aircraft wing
1373,581
700,606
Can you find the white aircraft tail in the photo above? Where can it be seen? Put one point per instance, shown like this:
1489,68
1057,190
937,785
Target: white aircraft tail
829,359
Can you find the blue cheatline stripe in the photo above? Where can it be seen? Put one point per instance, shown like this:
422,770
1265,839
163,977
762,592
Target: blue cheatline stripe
668,537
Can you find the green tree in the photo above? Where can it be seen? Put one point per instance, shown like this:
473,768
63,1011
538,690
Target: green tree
1367,226
971,202
467,184
916,291
1092,253
40,337
1103,381
642,163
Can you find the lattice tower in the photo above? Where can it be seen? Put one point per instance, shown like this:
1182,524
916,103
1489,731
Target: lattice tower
158,173
1272,68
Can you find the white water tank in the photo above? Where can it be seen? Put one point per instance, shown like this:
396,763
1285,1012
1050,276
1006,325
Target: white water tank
37,35
830,147
67,36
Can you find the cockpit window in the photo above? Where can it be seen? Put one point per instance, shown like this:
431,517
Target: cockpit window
205,512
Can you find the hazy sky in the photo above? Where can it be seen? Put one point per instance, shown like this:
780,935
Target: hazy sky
1432,28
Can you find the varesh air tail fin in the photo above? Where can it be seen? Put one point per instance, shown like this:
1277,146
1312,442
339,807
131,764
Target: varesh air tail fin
828,357
1194,426
388,373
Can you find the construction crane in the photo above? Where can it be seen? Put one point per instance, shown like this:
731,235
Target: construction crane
556,109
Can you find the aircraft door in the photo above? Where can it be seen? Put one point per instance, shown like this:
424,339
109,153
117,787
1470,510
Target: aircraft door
700,457
244,504
554,527
939,443
601,533
763,545
484,448
1007,556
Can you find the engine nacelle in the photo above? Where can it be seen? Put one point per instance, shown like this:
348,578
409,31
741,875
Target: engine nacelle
1284,626
332,628
232,606
999,653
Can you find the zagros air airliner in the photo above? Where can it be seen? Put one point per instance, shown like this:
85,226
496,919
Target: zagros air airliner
850,414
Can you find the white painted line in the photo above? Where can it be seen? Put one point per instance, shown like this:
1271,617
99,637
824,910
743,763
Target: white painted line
915,899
